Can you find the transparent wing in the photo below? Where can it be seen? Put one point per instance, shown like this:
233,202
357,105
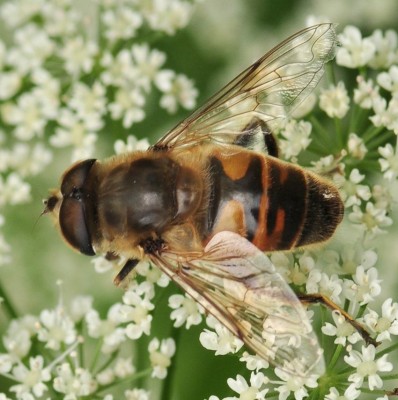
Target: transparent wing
238,285
261,95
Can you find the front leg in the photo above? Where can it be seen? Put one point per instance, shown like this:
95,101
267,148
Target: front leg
127,268
149,245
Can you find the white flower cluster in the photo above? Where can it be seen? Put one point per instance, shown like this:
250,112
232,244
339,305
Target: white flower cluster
357,129
62,333
64,80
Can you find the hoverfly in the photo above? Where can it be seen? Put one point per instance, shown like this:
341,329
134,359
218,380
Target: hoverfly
211,196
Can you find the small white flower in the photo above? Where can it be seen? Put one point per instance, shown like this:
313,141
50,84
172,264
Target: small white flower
10,83
350,393
385,113
342,329
167,16
364,287
74,383
32,47
354,51
160,354
72,131
136,309
356,146
13,190
128,105
296,136
389,80
386,324
118,69
367,367
121,23
105,377
152,274
17,339
177,89
372,220
137,394
29,160
31,379
302,267
383,196
254,362
389,162
89,104
335,101
56,327
108,329
147,63
352,192
26,115
6,363
78,55
102,265
254,390
385,49
293,384
320,282
131,144
80,306
221,340
123,367
366,93
185,310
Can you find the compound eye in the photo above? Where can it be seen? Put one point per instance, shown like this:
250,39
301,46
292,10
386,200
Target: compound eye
72,220
76,176
72,213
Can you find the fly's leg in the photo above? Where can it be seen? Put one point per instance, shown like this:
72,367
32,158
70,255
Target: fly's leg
127,268
247,137
320,298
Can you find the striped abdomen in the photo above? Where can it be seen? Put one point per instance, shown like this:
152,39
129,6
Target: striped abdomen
276,205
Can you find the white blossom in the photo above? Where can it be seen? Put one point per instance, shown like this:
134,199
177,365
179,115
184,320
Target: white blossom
296,136
366,92
367,366
350,393
160,354
254,390
335,101
386,51
354,51
74,383
386,324
56,328
131,144
342,329
31,380
121,23
293,384
177,89
137,394
185,310
221,340
352,192
389,162
364,287
78,55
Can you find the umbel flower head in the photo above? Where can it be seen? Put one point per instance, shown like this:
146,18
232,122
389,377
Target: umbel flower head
63,88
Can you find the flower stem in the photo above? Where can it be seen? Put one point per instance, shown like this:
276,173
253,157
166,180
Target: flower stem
335,357
7,304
